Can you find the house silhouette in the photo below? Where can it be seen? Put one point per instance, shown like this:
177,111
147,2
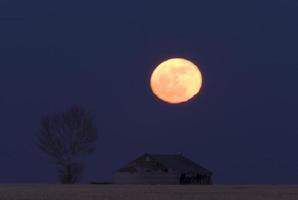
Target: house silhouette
162,169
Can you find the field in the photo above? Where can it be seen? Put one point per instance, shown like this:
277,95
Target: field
132,192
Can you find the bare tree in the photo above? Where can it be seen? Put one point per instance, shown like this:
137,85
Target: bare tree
66,137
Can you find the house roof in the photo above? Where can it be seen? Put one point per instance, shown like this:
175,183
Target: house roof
175,162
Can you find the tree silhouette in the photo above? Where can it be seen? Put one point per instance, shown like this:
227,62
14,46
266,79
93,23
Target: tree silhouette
66,137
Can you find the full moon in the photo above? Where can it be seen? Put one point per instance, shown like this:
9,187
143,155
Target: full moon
176,80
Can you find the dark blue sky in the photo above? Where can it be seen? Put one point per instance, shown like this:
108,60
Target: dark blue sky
243,125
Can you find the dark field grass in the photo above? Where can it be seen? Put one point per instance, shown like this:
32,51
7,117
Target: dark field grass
145,192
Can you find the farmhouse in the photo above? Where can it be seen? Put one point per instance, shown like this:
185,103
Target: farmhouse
162,169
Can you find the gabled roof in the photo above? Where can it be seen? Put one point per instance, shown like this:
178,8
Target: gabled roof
176,162
179,163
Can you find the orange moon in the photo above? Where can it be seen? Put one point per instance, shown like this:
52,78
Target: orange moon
176,80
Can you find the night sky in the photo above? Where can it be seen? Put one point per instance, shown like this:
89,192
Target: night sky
100,54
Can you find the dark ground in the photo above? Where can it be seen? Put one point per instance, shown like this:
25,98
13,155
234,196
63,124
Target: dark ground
145,192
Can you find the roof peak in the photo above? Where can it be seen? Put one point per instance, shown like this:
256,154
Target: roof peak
161,154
